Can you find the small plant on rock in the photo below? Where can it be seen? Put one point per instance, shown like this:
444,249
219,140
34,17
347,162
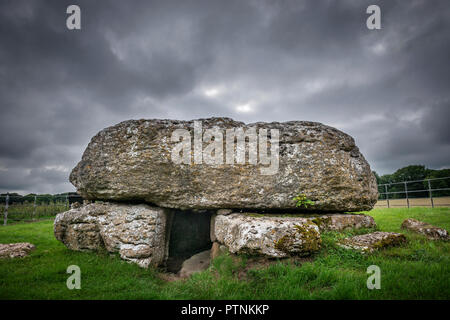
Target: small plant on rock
303,201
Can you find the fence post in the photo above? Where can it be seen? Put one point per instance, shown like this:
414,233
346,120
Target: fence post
67,201
406,192
431,194
34,207
387,196
5,219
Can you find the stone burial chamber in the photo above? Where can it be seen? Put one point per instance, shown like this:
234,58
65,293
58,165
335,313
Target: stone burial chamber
139,233
152,209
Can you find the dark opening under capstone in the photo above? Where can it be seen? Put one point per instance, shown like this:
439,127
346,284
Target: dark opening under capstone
189,234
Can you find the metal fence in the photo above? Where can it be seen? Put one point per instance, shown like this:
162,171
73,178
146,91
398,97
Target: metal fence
17,208
424,193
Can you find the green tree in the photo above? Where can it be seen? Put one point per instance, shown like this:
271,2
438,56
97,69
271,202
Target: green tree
439,184
408,173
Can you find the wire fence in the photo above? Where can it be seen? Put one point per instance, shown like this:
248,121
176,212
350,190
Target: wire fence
416,193
17,208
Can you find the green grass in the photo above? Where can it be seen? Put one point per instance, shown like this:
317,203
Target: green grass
417,270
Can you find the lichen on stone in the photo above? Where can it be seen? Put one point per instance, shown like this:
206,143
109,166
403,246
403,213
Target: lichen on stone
373,241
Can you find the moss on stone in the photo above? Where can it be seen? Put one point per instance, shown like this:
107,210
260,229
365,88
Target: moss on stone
283,243
389,242
309,235
322,222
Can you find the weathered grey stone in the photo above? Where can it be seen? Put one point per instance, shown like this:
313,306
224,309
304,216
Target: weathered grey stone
373,241
136,232
217,249
430,231
212,235
196,263
15,250
75,205
274,237
325,222
340,222
132,161
224,211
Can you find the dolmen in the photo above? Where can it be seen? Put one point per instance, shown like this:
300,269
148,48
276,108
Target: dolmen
160,191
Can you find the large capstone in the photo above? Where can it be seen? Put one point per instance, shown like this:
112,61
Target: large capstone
134,161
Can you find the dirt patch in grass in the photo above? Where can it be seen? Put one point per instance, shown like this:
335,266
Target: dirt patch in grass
169,277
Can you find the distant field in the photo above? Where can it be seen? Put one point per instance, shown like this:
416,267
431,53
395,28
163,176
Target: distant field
414,202
26,212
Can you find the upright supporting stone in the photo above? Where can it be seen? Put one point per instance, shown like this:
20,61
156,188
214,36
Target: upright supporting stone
274,237
136,232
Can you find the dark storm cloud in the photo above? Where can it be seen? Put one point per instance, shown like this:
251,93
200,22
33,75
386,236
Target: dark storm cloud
255,60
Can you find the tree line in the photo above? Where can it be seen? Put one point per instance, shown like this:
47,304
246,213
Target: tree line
413,173
16,198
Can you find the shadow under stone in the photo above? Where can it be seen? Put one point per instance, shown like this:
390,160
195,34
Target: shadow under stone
189,234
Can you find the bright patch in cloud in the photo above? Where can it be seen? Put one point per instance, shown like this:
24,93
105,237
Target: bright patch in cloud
245,108
212,92
316,86
56,168
379,49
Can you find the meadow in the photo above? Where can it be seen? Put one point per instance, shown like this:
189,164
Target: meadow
419,269
26,212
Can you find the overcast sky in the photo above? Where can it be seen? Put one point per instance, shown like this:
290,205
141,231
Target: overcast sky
249,60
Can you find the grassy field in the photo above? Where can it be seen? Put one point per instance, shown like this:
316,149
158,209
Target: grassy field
417,270
414,202
27,212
